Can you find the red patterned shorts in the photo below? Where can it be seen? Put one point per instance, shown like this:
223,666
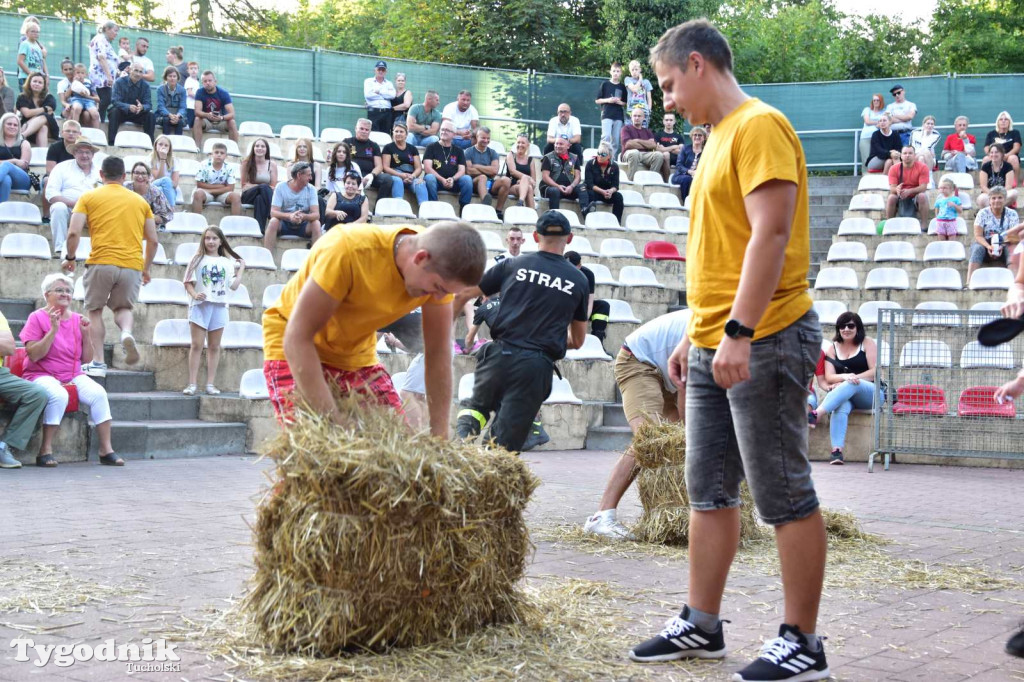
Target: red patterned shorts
372,382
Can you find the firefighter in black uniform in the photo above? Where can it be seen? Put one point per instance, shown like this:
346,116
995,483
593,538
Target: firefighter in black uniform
543,311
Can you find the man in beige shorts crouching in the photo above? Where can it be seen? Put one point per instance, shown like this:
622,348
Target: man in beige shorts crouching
641,371
118,220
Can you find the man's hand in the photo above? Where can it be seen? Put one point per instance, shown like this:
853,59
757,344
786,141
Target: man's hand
145,276
83,322
199,297
1013,309
68,266
678,364
1009,391
731,364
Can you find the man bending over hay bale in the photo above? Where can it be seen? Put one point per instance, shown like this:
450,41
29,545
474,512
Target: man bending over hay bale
356,281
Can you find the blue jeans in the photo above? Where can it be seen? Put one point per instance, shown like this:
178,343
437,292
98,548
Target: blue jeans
166,185
12,177
611,130
419,188
961,163
463,185
461,143
842,400
422,140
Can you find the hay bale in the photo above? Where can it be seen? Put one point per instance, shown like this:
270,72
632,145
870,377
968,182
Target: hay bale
373,537
660,452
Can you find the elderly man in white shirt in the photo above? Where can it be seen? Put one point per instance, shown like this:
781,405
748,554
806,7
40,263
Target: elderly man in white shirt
68,181
464,117
565,124
378,92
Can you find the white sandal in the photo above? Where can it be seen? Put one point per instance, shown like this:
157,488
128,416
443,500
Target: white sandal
212,390
190,389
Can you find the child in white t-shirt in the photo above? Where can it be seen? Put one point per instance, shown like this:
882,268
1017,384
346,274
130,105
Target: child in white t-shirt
191,86
207,280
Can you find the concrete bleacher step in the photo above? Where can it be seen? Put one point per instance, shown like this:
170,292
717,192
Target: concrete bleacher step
613,433
16,312
165,439
153,405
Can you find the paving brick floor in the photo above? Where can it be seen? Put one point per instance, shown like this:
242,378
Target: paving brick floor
159,540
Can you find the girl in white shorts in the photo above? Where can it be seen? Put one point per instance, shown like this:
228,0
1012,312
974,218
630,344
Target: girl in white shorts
214,269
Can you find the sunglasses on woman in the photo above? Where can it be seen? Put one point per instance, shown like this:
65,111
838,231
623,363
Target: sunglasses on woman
849,325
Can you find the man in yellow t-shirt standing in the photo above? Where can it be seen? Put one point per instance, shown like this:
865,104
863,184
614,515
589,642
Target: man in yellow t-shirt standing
118,220
747,358
323,329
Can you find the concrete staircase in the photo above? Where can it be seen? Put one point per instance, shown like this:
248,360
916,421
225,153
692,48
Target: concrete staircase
613,433
829,197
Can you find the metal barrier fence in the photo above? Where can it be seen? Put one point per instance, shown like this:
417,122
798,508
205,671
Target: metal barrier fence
941,384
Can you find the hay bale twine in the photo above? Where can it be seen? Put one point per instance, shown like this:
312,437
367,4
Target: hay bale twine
660,452
373,537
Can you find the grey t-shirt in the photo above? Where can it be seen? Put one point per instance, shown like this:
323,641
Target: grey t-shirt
481,158
419,112
289,201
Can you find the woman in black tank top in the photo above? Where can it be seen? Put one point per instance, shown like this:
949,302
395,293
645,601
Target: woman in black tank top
519,166
850,370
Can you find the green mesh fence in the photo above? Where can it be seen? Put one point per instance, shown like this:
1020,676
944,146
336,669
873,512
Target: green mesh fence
335,80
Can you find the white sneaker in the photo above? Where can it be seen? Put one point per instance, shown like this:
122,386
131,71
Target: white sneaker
7,460
131,353
605,524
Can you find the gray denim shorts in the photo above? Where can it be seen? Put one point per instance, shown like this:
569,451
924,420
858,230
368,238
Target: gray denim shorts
756,429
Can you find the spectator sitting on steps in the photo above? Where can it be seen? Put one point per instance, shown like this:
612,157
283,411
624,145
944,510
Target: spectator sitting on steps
27,399
995,219
560,176
213,110
601,182
639,149
464,118
908,184
482,166
565,124
66,184
215,181
958,151
294,210
1008,139
885,147
424,120
131,101
996,172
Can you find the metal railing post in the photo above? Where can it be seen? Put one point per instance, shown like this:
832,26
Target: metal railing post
856,153
316,119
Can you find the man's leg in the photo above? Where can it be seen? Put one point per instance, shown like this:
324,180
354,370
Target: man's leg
60,214
465,188
554,197
29,400
114,120
501,188
599,317
197,131
488,386
654,161
922,210
890,206
431,182
148,123
96,334
632,159
527,384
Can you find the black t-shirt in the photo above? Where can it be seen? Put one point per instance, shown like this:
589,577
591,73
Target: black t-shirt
612,111
591,282
487,313
26,102
446,161
401,157
362,154
669,140
10,153
997,178
1007,139
541,293
57,152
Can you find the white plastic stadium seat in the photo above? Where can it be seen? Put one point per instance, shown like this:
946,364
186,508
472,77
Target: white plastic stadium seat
132,139
561,392
847,251
96,136
492,242
239,297
20,212
961,180
240,226
642,222
868,311
241,334
398,380
926,353
183,253
828,311
901,226
25,245
618,248
895,251
271,294
646,177
172,333
479,213
295,132
993,308
182,143
520,215
676,224
991,278
621,311
867,202
334,135
535,152
976,356
884,354
873,182
162,290
393,208
666,200
581,245
571,216
639,276
939,278
687,205
602,275
437,210
497,147
256,257
836,278
887,278
160,258
255,129
934,314
253,385
38,159
292,259
944,251
601,220
380,138
466,386
79,294
590,350
187,223
232,146
187,167
630,197
859,227
961,227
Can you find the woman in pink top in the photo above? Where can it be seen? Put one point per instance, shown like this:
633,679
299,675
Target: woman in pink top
58,344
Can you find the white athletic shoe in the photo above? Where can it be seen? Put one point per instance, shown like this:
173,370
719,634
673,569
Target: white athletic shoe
605,524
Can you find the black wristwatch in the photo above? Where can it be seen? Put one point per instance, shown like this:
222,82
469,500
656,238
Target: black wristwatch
734,329
68,257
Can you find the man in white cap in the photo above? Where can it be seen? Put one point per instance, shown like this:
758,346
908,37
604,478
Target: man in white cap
378,92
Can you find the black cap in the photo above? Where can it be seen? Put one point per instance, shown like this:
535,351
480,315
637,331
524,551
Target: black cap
893,89
553,224
381,64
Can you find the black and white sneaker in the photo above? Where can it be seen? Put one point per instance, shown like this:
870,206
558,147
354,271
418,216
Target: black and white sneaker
786,657
681,639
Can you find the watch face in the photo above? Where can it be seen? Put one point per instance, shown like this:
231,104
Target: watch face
732,327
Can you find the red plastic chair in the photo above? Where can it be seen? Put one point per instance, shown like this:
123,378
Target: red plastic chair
979,401
920,399
16,363
658,250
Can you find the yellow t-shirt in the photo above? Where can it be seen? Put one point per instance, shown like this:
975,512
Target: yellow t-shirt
356,266
755,143
117,220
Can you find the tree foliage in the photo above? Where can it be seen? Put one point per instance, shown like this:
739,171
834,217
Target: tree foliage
977,36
